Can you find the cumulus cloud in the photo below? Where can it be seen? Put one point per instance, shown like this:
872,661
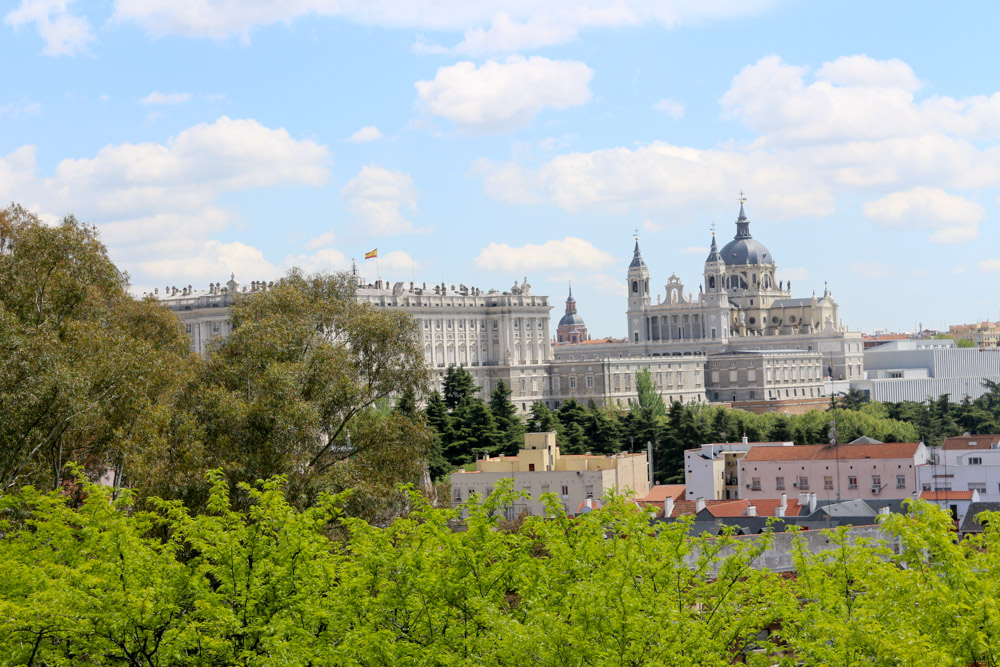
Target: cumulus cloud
169,98
489,26
499,96
378,198
324,240
569,253
367,133
990,265
951,218
854,127
65,34
157,204
670,108
659,178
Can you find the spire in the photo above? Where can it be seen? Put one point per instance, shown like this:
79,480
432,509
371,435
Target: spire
713,253
742,222
636,257
571,292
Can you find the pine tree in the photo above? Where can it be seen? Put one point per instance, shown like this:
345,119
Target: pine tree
573,439
507,418
458,385
542,419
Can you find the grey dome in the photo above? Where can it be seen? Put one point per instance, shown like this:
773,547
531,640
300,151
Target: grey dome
744,249
570,319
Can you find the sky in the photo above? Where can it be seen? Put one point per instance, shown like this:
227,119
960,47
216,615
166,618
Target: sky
481,142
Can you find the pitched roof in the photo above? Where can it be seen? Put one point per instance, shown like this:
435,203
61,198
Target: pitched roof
661,492
969,523
946,495
765,507
971,441
893,450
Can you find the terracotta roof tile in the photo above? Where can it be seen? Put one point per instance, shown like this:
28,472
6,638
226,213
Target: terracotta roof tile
962,441
946,495
892,450
661,492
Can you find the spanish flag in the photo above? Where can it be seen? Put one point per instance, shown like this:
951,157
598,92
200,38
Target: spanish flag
371,255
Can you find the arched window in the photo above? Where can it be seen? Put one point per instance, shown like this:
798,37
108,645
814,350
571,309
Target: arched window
711,282
635,286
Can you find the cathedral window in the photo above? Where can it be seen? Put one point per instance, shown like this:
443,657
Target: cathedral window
635,286
711,285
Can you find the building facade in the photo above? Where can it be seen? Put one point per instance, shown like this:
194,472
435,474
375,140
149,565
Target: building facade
965,463
743,340
539,469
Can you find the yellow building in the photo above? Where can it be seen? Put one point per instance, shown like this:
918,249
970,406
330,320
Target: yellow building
539,468
981,334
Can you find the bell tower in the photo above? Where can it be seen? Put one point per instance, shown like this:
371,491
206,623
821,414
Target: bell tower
638,296
715,298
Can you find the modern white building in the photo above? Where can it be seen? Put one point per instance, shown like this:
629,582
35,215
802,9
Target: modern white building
965,463
711,472
915,370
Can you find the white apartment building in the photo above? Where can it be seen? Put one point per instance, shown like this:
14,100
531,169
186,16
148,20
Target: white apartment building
833,472
711,472
965,463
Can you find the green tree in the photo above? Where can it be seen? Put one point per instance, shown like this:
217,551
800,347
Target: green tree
507,418
573,419
296,389
542,420
85,369
458,386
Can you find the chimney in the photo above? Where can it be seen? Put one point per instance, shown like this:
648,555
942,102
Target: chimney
784,501
779,511
745,440
751,511
803,498
812,503
883,511
699,504
668,507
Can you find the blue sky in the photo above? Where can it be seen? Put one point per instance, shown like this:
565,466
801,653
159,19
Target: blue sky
481,142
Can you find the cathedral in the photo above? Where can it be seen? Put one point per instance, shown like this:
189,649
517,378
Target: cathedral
742,340
739,297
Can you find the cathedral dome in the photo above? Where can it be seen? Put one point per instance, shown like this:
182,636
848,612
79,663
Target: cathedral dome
744,249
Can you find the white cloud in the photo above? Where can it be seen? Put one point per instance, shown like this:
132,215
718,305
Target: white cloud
958,270
324,240
169,98
322,261
569,253
861,70
399,260
378,196
990,265
951,218
18,109
65,34
157,205
670,108
793,273
660,178
512,24
499,96
694,250
855,128
367,133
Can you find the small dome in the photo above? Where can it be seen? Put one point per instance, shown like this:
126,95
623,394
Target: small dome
571,319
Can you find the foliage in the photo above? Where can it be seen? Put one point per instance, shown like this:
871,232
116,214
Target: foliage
300,388
94,583
85,370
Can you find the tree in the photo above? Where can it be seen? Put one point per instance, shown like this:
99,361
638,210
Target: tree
85,368
542,420
507,418
573,418
650,400
476,432
458,386
296,389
